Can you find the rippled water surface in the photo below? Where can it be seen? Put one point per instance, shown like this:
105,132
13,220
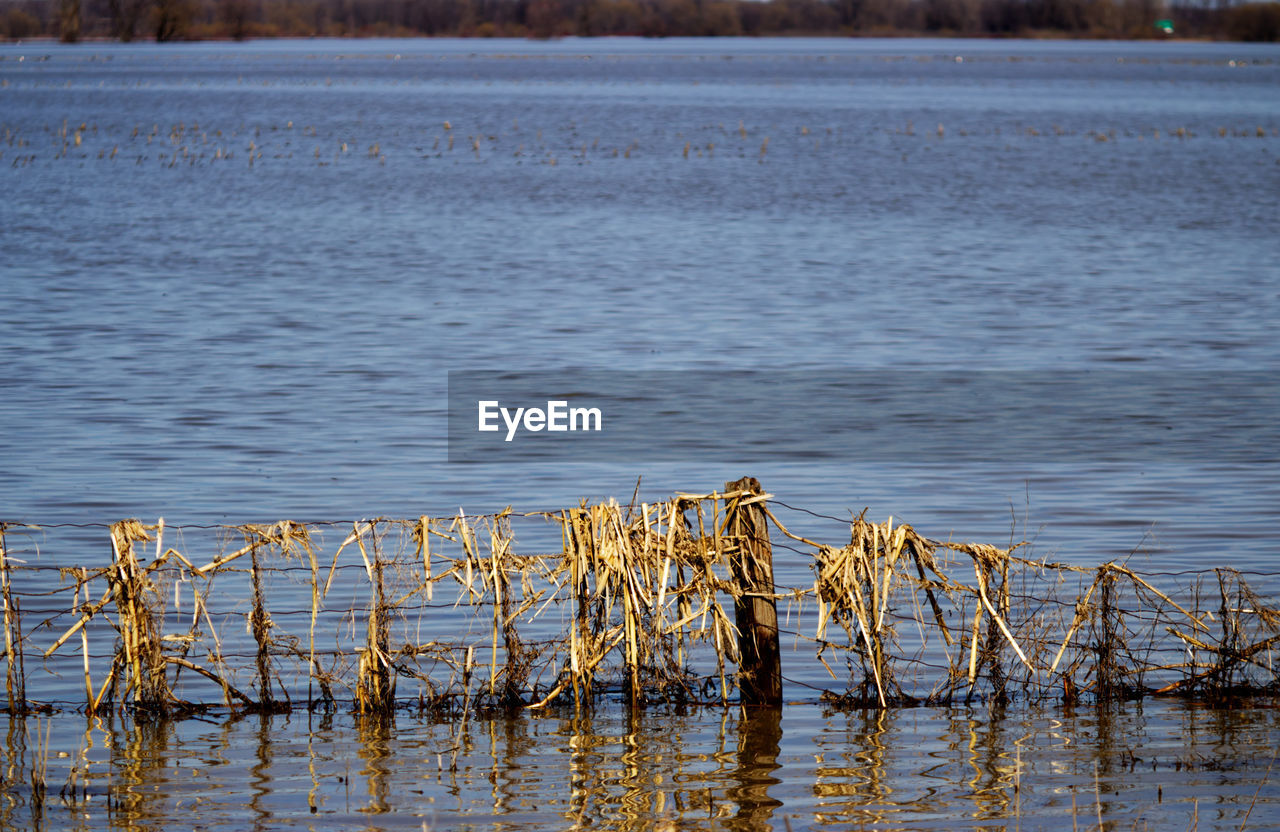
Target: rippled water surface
233,279
1140,767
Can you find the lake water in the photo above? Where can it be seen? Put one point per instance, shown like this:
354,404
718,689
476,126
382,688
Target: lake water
234,279
1142,767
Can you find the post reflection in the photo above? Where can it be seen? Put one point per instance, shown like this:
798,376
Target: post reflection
651,769
759,745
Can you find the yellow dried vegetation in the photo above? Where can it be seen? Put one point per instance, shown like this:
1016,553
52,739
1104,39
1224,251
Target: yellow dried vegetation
671,600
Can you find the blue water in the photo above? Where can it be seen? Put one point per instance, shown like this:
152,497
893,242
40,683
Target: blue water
936,769
207,339
188,333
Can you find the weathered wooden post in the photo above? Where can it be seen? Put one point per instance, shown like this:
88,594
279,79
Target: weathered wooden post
755,610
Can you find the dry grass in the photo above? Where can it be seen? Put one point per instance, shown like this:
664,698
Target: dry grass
632,605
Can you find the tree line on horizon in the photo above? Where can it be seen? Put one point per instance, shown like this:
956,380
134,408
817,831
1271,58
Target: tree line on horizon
176,20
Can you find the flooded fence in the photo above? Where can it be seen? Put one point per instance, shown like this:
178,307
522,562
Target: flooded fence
673,601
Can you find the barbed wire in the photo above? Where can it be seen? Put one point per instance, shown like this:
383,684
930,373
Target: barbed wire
635,599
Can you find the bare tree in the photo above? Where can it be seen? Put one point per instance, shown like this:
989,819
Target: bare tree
69,20
171,19
125,15
235,14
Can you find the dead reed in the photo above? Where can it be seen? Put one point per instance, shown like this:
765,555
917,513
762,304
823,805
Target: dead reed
15,678
375,685
632,605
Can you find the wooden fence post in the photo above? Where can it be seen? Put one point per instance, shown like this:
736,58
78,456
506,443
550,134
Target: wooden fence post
755,610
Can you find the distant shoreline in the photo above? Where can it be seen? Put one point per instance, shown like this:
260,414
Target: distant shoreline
895,35
198,20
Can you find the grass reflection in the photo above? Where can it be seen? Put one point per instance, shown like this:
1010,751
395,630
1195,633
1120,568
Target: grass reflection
1144,765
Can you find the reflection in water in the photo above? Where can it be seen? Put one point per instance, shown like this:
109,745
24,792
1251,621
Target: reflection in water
140,776
852,770
624,780
313,793
375,733
759,745
510,745
15,768
637,788
1153,764
990,760
260,773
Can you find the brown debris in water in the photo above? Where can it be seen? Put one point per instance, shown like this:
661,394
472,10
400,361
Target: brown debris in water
632,606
